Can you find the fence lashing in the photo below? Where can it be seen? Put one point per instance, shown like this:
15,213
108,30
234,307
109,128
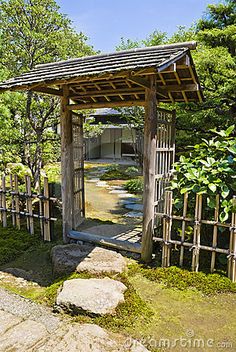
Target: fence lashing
11,198
168,217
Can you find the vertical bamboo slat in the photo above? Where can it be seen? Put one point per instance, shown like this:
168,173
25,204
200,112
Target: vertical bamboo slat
46,208
13,208
185,208
197,233
27,204
167,223
232,247
215,231
4,202
17,201
30,206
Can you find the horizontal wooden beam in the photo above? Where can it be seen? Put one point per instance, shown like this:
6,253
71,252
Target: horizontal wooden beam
106,241
108,92
179,88
47,90
106,104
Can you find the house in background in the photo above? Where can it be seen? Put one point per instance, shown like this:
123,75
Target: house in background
116,140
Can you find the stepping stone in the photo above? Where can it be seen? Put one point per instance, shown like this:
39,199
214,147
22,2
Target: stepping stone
89,258
130,200
117,187
94,296
137,207
126,195
133,214
118,191
93,180
101,184
89,337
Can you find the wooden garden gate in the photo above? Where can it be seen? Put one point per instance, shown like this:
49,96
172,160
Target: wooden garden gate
165,157
78,172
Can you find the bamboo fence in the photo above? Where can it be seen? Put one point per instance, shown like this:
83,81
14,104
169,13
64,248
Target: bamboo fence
195,246
18,207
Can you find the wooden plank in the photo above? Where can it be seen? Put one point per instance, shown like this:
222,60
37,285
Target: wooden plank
48,90
105,241
197,233
232,246
181,260
13,214
149,155
167,223
139,81
107,92
107,104
179,88
67,188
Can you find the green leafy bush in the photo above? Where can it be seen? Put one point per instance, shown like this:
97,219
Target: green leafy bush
209,169
135,185
132,171
18,169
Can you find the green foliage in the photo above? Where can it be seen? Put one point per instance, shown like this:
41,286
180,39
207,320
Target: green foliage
132,171
18,169
180,279
135,185
13,243
114,174
209,169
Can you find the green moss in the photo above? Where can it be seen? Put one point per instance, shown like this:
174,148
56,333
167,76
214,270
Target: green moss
14,242
114,175
181,279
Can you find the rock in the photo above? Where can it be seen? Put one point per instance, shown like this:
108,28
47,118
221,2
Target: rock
23,336
96,296
65,258
126,195
88,337
101,184
7,321
86,258
101,260
130,200
118,191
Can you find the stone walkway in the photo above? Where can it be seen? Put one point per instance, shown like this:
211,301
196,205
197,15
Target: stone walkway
27,326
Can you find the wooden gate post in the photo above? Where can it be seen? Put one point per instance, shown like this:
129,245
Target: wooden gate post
67,188
149,156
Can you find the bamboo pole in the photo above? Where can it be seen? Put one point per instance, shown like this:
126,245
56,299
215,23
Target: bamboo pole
197,233
215,231
13,214
46,206
30,206
232,246
181,260
4,202
167,223
27,203
17,201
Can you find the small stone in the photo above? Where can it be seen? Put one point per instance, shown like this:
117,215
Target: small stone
96,296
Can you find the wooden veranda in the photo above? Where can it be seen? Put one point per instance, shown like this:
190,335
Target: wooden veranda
138,77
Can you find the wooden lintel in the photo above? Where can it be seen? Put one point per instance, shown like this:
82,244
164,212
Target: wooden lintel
50,91
107,104
139,81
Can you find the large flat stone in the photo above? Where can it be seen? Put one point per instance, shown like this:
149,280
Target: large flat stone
95,260
7,321
23,336
89,337
96,296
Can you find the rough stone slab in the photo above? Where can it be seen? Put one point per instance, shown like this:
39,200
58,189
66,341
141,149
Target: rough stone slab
26,309
118,191
65,258
7,321
89,258
96,296
131,200
88,337
23,336
126,195
101,260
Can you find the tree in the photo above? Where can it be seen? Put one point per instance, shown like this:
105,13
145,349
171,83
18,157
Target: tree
34,32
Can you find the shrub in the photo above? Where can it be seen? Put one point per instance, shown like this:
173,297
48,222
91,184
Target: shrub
18,169
132,171
209,169
135,185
